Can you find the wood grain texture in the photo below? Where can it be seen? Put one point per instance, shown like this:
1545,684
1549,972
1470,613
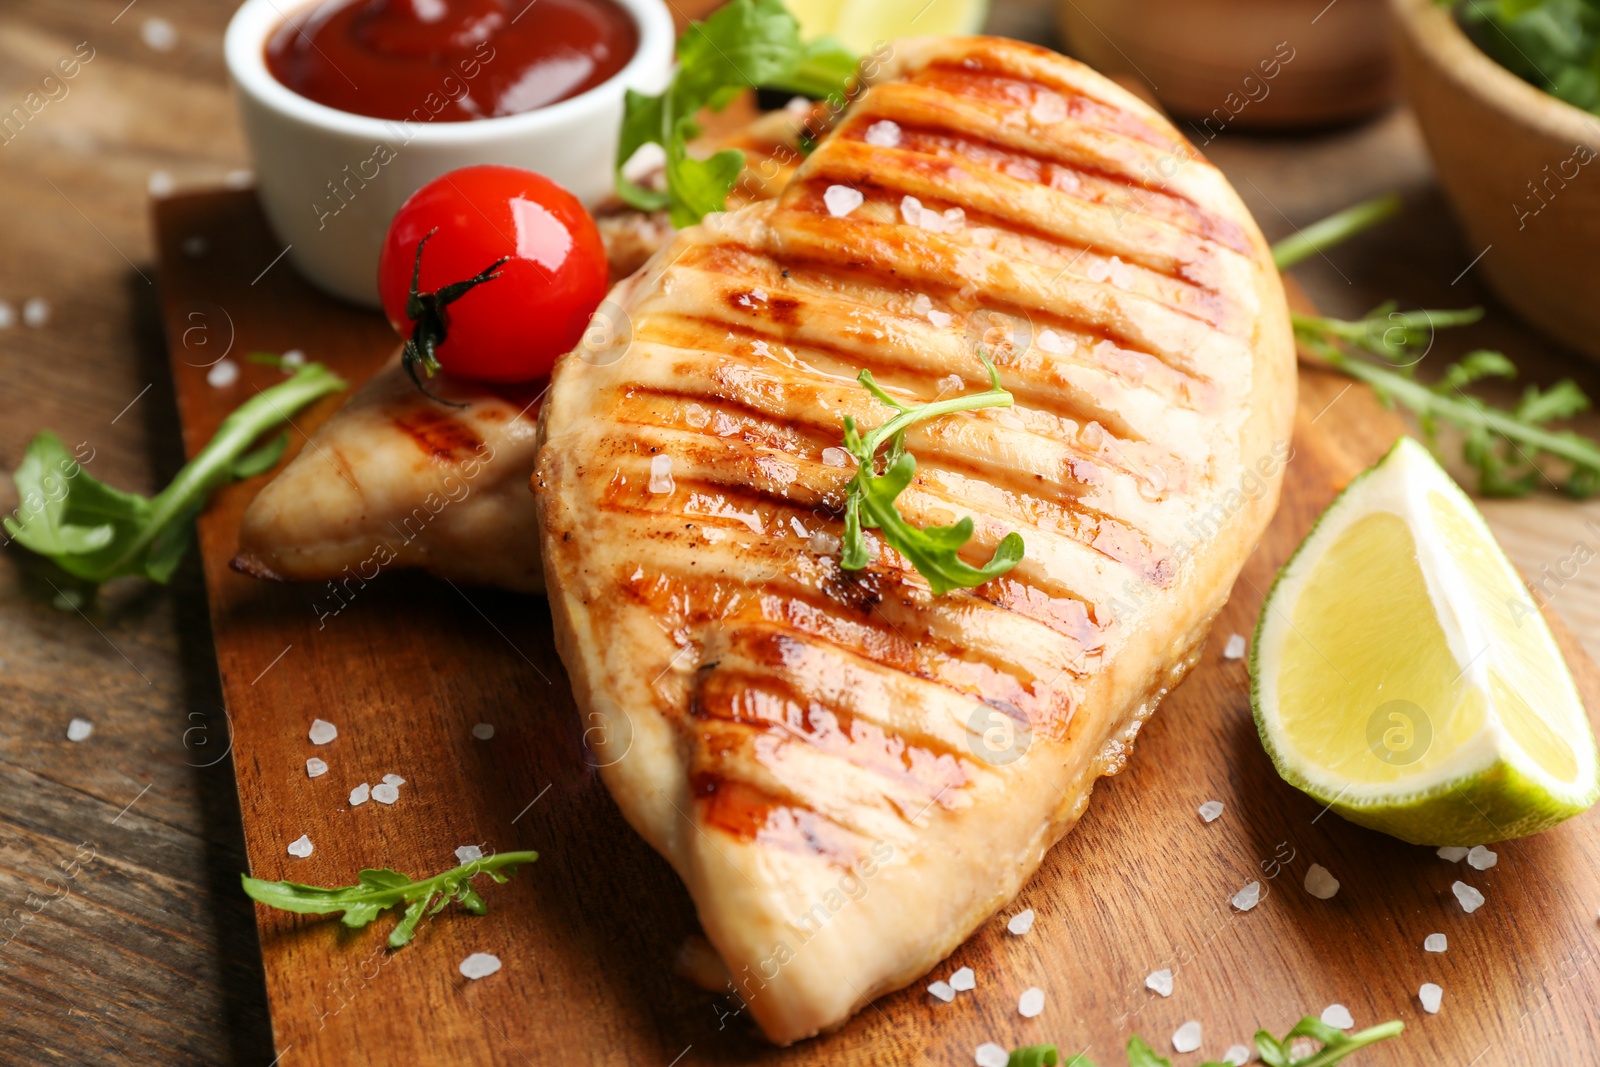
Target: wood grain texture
589,934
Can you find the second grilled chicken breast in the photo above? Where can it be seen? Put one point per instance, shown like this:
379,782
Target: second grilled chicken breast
851,773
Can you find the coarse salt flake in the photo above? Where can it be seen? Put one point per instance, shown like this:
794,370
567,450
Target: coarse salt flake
942,991
316,768
1237,1055
1481,858
1320,883
883,134
1234,649
480,965
661,475
36,312
1160,981
483,731
835,457
79,730
300,846
1431,996
223,373
1471,900
1021,922
393,779
921,305
294,358
1338,1016
990,1054
359,795
468,854
385,793
1098,271
1048,109
159,183
159,34
823,543
1211,810
963,980
322,731
841,200
1453,853
1435,943
1031,1003
1054,343
941,319
1248,897
1186,1038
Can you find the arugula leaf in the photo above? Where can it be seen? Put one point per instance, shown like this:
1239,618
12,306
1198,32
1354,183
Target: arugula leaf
1142,1055
745,44
1509,449
96,533
1553,44
1336,1045
1038,1056
381,889
869,502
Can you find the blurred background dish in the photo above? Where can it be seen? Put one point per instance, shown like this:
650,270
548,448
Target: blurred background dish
1519,169
1324,62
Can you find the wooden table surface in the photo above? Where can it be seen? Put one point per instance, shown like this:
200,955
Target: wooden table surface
152,956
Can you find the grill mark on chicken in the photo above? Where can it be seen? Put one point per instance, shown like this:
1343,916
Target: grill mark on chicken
438,434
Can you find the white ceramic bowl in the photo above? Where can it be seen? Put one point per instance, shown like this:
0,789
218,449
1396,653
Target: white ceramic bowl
330,181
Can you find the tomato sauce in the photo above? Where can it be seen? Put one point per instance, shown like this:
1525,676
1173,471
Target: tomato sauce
450,60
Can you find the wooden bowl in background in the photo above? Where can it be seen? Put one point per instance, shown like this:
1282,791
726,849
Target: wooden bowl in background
1520,168
1197,55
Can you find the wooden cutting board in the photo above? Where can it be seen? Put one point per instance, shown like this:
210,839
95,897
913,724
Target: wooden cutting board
589,934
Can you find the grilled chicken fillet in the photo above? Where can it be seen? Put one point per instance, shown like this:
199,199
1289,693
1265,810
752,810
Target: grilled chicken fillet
849,773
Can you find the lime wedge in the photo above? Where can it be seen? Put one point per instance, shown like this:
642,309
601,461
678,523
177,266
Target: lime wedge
1402,677
863,24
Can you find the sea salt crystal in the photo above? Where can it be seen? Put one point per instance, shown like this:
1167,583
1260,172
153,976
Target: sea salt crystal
921,305
468,854
1119,274
1186,1038
963,980
883,134
835,457
483,731
1048,109
300,846
359,795
159,34
941,319
1234,649
1431,996
1054,343
1453,853
841,200
1237,1055
942,991
990,1054
36,312
950,383
294,358
385,793
1098,271
1248,897
480,965
724,425
1211,810
1320,883
911,210
1471,900
79,730
823,543
1031,1003
159,183
1160,981
1435,943
315,768
1481,858
393,779
322,731
1338,1016
1021,922
797,527
661,475
222,374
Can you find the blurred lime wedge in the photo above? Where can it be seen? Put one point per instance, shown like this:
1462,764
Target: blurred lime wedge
1401,676
861,24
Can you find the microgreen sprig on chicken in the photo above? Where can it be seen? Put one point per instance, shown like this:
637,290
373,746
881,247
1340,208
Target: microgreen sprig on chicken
870,503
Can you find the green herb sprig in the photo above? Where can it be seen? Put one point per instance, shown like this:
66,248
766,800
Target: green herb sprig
96,533
745,44
1336,1045
1554,44
379,890
870,503
1510,449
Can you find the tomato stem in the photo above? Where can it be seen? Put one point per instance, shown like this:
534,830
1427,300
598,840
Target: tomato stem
431,322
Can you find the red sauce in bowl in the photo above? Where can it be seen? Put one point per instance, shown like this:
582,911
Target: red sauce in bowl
450,60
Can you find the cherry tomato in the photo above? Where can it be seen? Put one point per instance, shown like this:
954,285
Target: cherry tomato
511,328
